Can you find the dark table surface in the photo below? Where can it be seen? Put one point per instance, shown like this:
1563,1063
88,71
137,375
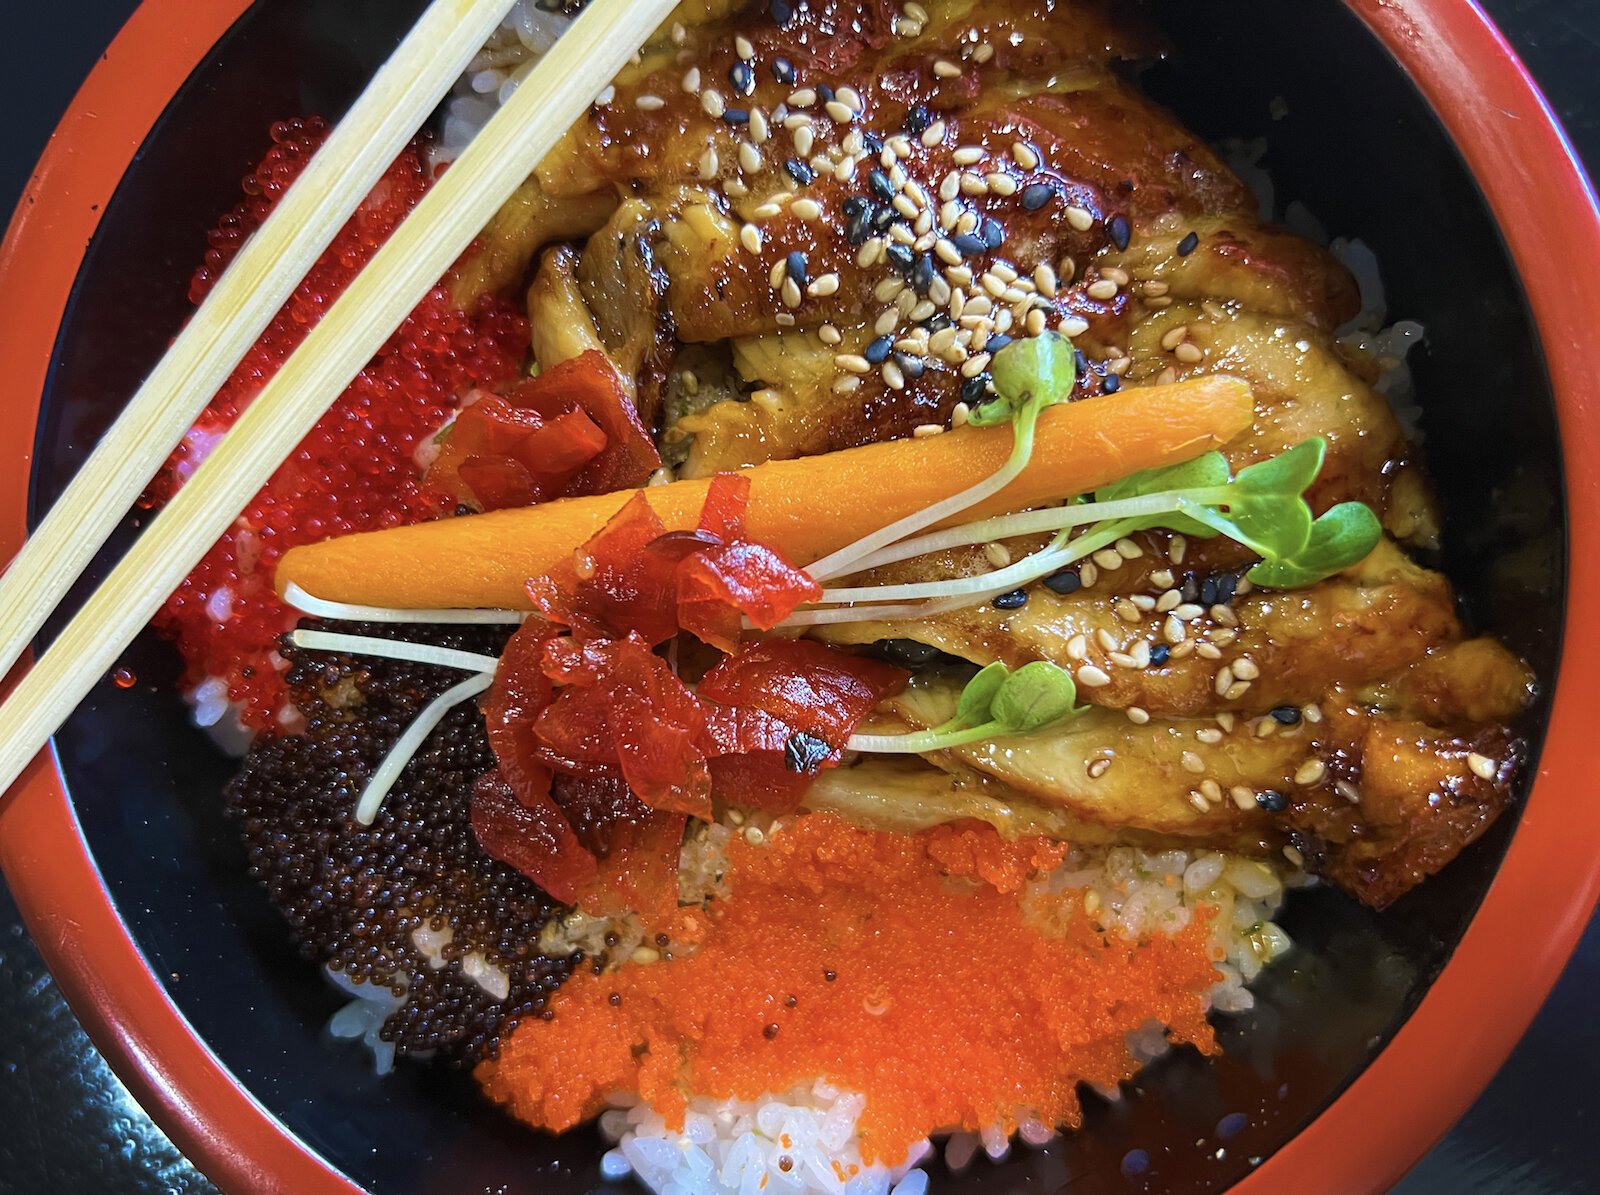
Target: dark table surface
67,1125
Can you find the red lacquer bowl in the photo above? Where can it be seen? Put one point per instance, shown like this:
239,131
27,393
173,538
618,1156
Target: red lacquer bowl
1537,881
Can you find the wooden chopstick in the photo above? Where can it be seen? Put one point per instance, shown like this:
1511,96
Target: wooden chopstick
555,94
255,285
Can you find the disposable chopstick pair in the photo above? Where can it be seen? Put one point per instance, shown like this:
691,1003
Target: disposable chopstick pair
255,285
553,96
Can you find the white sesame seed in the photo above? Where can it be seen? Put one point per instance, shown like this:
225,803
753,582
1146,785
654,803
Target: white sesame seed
975,365
982,52
1310,772
691,79
709,163
1177,548
893,376
1206,651
1222,636
1102,289
887,322
1198,802
1244,798
907,28
902,234
711,101
846,384
1189,354
939,292
1482,766
828,334
803,98
1348,791
679,33
1210,789
916,12
742,46
1025,155
1224,680
1001,184
780,271
960,413
1266,727
824,285
1073,325
1246,669
1108,558
972,184
1045,279
871,253
1081,219
950,186
1092,677
845,170
758,126
923,310
967,155
1173,631
945,69
1098,767
750,238
766,211
1088,574
750,158
649,102
1209,734
903,204
906,300
1155,288
1168,601
791,292
1128,550
1173,337
1188,611
852,362
1078,647
784,319
1037,320
1137,715
1192,762
1224,615
1107,640
997,554
838,112
850,98
1237,690
806,209
1127,611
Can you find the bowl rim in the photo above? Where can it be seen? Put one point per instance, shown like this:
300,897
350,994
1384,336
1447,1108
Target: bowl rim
1509,137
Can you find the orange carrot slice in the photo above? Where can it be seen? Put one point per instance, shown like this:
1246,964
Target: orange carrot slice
805,508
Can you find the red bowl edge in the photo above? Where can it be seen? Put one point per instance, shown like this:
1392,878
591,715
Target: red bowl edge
1366,1139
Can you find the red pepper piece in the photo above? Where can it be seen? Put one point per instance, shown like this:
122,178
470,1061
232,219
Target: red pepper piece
533,838
811,687
590,383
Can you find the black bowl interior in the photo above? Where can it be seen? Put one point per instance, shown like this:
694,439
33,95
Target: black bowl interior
1349,137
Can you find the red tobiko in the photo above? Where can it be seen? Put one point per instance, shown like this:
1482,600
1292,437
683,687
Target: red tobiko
636,577
571,430
784,709
624,709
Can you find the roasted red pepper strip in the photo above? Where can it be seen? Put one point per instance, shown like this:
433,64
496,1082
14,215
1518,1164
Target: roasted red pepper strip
637,846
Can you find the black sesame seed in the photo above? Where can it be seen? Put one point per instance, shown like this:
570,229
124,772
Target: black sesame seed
736,116
937,322
742,78
1112,383
1227,586
881,186
1160,654
800,172
923,273
877,352
968,244
1036,195
1286,715
782,12
973,390
993,235
1081,363
856,205
886,217
918,119
900,258
1208,592
997,342
803,753
825,93
911,366
1118,230
1189,244
1014,600
783,71
1272,800
858,223
1067,581
872,141
1189,591
796,265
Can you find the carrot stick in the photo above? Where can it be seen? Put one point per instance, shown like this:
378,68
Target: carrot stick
805,508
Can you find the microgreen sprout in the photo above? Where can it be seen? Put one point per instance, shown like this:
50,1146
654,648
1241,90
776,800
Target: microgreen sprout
1261,507
995,703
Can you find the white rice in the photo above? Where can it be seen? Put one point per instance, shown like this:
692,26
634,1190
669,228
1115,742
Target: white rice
525,36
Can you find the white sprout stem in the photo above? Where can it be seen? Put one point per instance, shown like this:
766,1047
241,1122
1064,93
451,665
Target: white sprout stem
1056,518
395,649
411,741
917,742
1040,564
1003,580
345,612
844,560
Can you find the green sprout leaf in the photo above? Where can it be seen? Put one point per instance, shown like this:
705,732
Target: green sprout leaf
1029,375
1207,472
977,699
1342,536
1035,696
